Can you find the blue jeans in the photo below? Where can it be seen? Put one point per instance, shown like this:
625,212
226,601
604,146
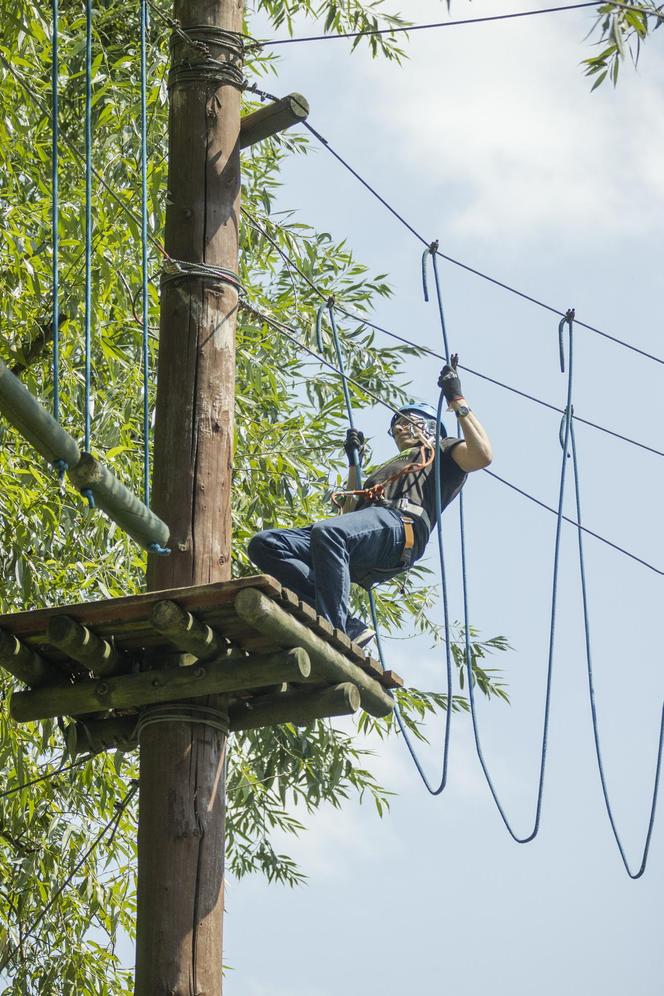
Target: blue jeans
319,562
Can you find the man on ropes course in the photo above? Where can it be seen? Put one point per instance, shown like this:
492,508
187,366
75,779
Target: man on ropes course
384,527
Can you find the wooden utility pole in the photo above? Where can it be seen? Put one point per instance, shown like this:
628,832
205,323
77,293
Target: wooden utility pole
182,780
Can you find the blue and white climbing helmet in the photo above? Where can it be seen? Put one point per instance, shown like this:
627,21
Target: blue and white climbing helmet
425,412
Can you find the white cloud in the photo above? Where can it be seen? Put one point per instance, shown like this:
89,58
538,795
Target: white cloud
532,150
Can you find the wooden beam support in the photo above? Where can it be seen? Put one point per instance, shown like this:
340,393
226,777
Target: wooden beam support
301,706
127,691
273,118
33,421
270,619
21,661
81,644
186,632
96,735
119,503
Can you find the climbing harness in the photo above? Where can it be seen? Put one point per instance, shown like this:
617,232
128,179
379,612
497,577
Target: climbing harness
374,494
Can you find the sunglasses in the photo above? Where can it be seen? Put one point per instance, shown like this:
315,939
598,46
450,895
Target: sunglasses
426,426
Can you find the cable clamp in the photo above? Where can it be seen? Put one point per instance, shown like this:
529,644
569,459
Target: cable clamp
161,551
262,94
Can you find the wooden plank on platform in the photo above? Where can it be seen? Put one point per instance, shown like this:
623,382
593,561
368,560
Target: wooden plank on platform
127,630
271,618
117,613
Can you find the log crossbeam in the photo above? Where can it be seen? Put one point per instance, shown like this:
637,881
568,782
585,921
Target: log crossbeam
298,706
55,444
81,644
186,632
273,118
21,661
231,674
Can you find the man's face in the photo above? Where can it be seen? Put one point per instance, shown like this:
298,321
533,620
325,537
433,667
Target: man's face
407,431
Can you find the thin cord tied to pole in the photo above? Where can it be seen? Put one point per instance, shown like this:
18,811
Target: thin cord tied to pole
59,464
55,215
86,492
144,255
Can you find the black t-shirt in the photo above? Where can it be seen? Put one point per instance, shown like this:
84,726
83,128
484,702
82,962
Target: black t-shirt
420,486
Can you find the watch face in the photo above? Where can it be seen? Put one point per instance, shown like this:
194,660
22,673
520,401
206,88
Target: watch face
462,411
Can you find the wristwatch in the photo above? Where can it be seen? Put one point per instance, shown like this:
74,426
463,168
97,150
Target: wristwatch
462,411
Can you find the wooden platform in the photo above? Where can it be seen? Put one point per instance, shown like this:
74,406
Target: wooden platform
249,621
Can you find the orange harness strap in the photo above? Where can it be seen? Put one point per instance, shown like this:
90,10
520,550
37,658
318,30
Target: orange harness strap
376,492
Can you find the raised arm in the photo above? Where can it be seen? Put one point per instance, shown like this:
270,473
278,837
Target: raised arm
474,452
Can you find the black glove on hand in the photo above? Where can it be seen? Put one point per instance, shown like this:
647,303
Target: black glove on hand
449,380
354,443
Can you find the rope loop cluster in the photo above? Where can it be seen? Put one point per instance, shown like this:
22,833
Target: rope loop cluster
208,41
182,712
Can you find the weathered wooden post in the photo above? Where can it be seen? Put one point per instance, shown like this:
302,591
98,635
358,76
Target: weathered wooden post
182,789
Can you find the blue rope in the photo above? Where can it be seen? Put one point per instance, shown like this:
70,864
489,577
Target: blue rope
144,241
86,492
432,252
554,593
59,464
55,210
88,213
430,787
357,463
591,690
329,305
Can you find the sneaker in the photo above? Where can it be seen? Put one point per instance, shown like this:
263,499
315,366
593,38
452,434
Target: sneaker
364,637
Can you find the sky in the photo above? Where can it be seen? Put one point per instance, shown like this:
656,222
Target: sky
489,139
